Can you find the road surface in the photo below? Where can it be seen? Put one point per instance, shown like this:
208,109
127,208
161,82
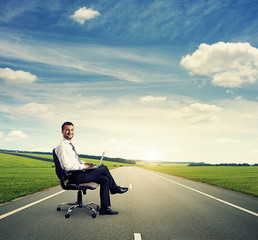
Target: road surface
157,206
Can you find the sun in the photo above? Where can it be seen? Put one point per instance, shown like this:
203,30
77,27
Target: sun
150,155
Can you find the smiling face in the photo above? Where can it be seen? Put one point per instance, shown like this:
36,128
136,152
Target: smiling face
68,132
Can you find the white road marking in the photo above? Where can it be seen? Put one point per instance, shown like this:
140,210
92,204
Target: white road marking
131,186
29,205
207,195
137,236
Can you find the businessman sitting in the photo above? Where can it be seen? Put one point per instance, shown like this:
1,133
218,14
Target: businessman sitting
69,160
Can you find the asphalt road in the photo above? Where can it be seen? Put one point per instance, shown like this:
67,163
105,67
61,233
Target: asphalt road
157,206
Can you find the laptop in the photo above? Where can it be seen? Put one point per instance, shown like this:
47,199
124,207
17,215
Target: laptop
100,161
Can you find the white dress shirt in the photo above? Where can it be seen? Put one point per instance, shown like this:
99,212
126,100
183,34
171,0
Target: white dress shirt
68,158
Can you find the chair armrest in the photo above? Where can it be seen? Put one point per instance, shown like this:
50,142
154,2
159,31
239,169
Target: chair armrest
75,175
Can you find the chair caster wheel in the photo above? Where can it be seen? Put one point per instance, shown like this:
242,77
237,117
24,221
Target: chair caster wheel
67,215
93,215
58,209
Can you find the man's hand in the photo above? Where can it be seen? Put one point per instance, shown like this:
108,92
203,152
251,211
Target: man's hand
87,165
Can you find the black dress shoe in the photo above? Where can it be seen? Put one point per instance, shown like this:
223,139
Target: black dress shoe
119,190
107,211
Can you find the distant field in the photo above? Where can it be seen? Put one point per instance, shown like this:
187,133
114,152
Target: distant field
243,179
21,176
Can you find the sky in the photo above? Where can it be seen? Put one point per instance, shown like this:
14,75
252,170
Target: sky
169,80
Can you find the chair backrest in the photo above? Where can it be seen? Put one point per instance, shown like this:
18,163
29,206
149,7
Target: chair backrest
59,171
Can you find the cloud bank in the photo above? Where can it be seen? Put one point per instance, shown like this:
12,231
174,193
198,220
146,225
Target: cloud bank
228,64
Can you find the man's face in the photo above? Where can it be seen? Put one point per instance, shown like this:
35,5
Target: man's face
68,132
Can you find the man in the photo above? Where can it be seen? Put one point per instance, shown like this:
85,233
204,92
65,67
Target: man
69,160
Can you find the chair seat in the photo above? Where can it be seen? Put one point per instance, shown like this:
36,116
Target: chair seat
89,185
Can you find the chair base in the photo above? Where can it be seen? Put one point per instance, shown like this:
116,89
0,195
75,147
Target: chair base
76,205
80,204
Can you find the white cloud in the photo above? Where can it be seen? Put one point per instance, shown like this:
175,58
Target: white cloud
249,116
230,91
148,99
30,111
36,110
203,108
238,98
10,76
201,113
15,135
83,14
228,64
1,134
236,77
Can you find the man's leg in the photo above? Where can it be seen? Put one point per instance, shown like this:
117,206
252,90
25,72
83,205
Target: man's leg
92,175
104,191
103,177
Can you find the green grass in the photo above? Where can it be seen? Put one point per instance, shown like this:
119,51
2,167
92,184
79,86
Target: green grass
21,176
243,179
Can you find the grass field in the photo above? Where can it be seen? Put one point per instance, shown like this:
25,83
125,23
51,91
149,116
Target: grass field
243,179
21,176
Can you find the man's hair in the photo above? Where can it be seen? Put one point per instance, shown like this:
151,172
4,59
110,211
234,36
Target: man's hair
66,123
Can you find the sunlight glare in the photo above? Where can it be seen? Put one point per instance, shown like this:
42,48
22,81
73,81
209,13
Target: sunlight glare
150,155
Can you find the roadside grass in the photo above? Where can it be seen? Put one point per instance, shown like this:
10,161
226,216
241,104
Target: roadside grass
243,179
20,176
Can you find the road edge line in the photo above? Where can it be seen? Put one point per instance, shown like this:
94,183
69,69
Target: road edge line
207,195
28,205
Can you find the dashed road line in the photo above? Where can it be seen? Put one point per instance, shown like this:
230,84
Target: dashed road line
137,236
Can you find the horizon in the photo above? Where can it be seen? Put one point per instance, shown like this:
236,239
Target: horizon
136,160
169,80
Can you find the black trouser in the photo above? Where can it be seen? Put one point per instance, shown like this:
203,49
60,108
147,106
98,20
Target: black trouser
102,176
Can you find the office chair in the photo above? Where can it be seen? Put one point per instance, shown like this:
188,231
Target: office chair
82,187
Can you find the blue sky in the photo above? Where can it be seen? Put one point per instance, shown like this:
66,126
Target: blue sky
155,80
